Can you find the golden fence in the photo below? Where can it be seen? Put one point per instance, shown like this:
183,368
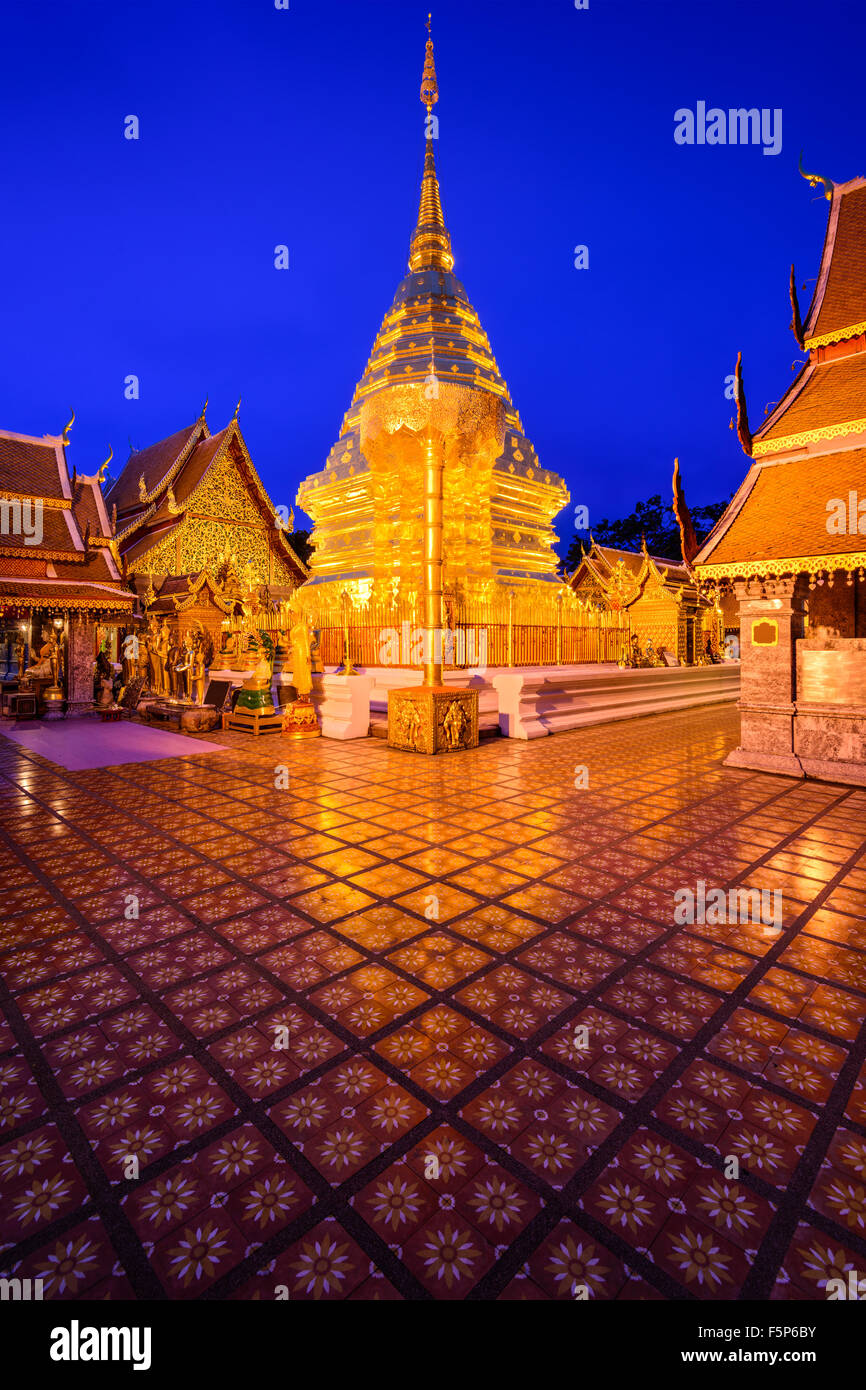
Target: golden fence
503,629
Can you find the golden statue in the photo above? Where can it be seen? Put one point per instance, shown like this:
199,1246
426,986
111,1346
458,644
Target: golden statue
302,664
197,674
19,654
143,659
184,667
409,722
48,664
157,682
454,724
163,644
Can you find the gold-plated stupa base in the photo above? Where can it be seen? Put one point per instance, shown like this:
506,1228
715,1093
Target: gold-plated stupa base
299,719
432,719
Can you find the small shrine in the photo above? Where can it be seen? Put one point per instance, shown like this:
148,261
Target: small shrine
61,595
660,598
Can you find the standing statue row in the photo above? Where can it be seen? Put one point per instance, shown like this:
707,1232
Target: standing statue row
172,668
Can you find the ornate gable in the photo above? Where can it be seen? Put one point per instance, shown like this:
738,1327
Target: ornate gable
213,504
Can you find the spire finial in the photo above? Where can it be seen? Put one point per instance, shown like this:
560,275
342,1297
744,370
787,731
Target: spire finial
431,244
237,408
429,85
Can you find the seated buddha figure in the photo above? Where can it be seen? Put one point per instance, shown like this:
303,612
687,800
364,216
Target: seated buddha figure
47,665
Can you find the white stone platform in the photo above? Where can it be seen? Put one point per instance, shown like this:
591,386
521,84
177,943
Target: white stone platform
548,700
528,702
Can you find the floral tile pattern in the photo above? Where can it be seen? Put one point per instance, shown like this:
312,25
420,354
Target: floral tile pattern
396,1033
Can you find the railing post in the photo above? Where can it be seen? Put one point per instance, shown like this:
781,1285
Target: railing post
559,628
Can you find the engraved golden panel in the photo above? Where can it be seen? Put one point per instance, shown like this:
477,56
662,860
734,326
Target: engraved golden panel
432,719
836,677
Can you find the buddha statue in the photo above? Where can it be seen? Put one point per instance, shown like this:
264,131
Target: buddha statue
197,672
302,666
48,665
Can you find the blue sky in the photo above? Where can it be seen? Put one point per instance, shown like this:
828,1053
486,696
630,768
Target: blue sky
260,127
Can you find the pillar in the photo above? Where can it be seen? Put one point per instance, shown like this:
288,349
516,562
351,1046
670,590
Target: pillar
771,621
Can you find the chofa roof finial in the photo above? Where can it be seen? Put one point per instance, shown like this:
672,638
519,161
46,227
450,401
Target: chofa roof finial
100,476
814,179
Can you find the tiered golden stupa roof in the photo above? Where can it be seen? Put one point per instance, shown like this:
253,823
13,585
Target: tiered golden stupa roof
432,338
811,449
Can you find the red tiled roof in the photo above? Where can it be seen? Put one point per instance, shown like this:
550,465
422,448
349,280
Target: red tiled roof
826,393
56,538
30,467
784,514
153,463
49,591
96,569
86,509
841,302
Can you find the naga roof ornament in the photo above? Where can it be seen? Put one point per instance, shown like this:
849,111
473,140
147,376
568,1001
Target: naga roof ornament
814,179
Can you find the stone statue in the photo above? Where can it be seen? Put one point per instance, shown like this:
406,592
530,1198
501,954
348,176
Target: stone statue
103,681
129,657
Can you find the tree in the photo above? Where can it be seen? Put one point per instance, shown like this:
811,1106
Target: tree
300,543
653,519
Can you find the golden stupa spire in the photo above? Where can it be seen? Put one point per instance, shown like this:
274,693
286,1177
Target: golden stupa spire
429,85
431,244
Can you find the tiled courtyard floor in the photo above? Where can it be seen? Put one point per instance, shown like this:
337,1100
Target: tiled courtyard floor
336,1027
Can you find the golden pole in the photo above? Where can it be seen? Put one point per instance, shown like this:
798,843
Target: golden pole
347,667
433,470
559,628
510,659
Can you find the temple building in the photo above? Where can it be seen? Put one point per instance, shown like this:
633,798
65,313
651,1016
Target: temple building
661,599
792,543
60,576
193,504
431,381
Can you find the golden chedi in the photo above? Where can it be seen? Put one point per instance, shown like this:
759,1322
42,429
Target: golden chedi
431,368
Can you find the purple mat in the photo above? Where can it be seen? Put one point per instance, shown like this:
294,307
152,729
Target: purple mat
77,744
